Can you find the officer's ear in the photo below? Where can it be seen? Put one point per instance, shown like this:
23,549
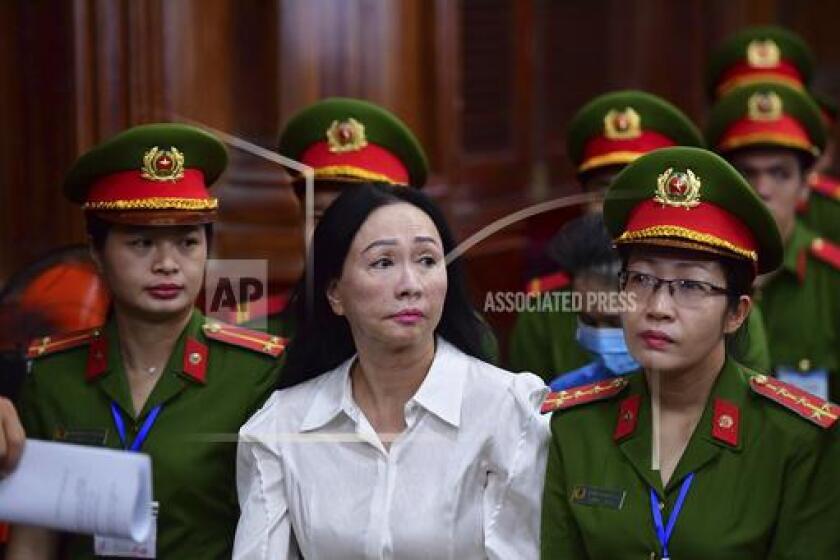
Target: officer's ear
737,314
334,298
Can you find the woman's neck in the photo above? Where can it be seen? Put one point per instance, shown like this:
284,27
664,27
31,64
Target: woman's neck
384,380
146,343
689,388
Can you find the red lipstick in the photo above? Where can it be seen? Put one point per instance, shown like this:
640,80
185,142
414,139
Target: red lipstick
656,340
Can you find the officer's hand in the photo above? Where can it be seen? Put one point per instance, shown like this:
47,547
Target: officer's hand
12,437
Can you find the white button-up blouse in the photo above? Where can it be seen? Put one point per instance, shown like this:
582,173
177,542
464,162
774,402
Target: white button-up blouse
464,480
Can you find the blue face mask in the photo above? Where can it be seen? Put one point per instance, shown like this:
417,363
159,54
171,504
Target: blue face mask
608,346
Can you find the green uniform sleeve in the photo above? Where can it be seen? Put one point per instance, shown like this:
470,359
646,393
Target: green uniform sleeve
808,515
559,535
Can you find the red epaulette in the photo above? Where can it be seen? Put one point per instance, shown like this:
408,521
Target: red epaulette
547,283
824,185
820,412
598,391
826,251
245,338
46,345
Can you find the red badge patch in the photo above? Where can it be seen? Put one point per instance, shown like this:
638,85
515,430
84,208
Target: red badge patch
628,417
726,422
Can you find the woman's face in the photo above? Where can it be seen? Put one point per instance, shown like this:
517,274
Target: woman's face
154,271
666,335
393,282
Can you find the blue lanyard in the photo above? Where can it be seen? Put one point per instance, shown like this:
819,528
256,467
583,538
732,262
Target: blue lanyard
663,533
144,429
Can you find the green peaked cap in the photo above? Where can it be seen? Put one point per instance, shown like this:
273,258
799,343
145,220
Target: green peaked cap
702,226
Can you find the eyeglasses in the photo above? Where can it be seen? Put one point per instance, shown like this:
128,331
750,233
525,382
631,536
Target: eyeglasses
685,292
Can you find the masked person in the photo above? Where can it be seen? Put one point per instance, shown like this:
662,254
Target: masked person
583,247
606,134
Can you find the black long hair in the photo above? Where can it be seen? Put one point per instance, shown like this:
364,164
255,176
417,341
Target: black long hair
322,339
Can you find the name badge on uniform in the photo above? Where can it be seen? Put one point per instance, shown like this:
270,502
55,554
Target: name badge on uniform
814,381
82,436
110,546
598,497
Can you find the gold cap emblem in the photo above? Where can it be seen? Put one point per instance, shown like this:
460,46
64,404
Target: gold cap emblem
163,165
622,125
763,53
346,136
675,188
764,106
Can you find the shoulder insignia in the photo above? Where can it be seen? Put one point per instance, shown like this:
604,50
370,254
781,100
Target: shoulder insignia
46,345
568,398
548,283
245,338
826,251
820,412
824,185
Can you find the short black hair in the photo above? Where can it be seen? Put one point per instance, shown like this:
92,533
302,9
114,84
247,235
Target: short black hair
322,339
97,229
740,275
584,246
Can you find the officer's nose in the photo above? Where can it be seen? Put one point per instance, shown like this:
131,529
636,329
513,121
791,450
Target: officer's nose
763,185
660,304
165,261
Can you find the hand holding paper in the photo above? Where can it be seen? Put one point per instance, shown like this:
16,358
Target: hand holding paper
80,489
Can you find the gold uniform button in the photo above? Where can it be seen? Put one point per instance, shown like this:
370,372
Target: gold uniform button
195,358
804,364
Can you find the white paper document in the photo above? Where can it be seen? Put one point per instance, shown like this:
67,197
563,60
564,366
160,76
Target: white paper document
80,489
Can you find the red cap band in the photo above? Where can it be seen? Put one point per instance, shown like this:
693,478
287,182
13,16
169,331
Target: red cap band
601,151
785,131
706,223
373,162
130,186
742,73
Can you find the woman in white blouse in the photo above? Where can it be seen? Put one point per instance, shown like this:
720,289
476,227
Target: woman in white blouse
390,437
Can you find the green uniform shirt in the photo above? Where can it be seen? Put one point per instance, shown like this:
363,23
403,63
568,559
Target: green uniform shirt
775,494
823,215
801,306
192,444
543,342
